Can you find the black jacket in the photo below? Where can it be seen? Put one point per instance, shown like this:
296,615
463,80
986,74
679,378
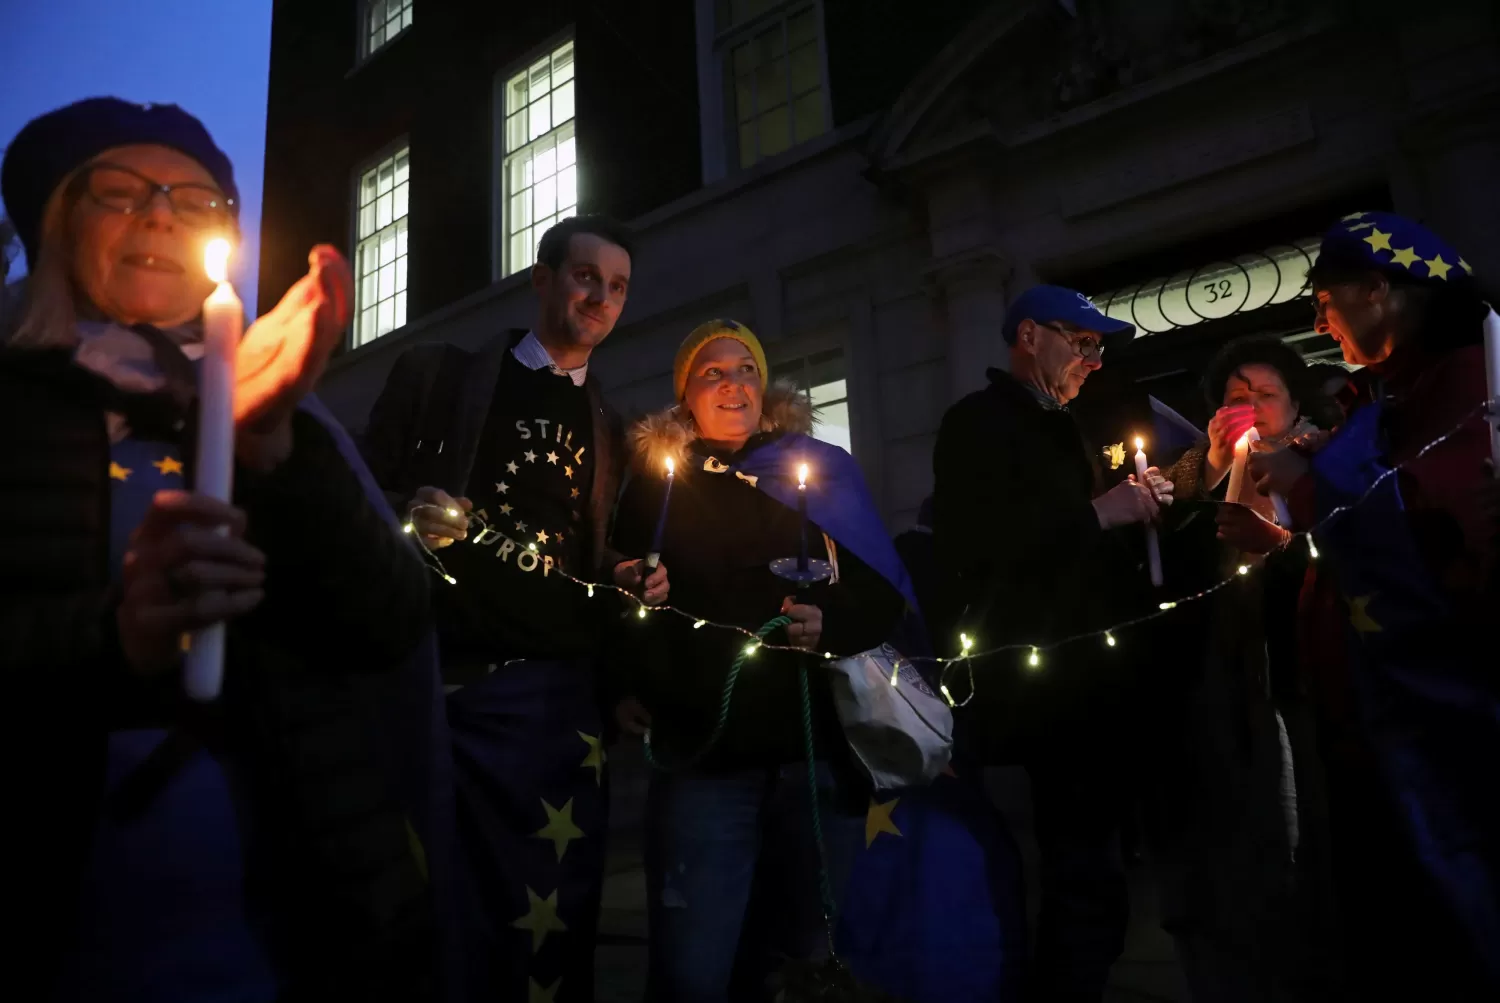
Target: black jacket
1022,560
345,597
721,537
426,426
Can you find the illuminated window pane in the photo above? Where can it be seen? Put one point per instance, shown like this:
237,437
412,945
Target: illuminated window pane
383,21
776,81
383,204
539,174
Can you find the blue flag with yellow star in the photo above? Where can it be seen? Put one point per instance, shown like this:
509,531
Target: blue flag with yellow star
1424,679
934,909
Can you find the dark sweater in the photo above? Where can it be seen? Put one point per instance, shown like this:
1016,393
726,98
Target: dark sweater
721,536
531,483
1022,560
345,595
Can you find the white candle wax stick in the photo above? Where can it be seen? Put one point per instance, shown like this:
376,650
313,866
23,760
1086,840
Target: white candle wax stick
1492,379
223,322
1153,542
1237,468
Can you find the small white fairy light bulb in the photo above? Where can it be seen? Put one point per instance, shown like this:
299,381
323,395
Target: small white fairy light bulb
1167,605
1109,639
1312,548
641,612
700,623
1034,659
1243,569
946,695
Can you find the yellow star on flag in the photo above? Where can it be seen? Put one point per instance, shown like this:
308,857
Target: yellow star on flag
536,994
541,918
1437,268
878,820
559,828
168,465
1378,241
1466,266
118,472
1359,615
1405,256
595,758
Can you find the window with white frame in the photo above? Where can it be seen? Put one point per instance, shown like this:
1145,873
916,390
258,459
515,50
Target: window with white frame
380,22
380,258
773,66
823,378
539,176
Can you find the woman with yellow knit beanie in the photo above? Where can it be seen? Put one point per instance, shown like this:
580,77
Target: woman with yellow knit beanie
728,812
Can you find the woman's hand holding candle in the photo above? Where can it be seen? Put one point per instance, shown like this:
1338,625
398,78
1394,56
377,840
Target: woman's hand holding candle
283,355
806,628
1224,430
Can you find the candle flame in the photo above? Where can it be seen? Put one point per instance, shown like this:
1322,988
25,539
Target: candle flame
671,467
1244,441
216,259
802,476
1140,443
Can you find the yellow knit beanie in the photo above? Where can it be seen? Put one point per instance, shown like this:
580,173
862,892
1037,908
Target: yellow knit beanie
711,331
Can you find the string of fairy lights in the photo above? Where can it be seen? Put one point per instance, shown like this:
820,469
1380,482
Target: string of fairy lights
967,655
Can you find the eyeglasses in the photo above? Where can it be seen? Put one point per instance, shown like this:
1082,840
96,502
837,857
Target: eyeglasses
126,191
1086,346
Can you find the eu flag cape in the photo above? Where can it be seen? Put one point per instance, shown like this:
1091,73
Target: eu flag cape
934,908
1424,679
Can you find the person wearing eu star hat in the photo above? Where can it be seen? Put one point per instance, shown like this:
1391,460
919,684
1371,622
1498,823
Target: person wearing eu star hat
1029,551
141,819
1410,710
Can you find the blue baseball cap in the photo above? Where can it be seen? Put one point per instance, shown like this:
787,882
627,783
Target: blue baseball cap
1053,304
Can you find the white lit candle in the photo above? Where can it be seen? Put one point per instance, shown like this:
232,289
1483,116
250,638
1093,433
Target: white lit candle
1153,544
223,322
1237,468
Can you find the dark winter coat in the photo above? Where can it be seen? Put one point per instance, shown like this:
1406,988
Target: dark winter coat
721,536
1022,560
345,598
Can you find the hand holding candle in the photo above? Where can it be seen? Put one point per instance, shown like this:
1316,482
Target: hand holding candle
654,556
223,320
1153,542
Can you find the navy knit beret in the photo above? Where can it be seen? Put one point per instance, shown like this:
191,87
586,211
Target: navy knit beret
51,146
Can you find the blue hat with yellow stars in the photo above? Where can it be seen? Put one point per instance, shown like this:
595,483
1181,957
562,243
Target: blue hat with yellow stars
1393,245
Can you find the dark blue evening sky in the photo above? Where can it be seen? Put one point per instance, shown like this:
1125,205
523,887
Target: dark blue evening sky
209,57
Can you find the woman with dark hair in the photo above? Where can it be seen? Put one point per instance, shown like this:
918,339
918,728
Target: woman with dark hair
1240,848
1409,703
167,850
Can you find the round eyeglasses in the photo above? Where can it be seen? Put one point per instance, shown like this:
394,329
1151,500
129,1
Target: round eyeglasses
124,190
1086,346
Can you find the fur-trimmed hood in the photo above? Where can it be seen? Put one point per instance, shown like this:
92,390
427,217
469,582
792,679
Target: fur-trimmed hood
668,433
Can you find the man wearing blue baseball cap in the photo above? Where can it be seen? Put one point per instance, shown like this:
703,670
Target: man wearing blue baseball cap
1030,551
1404,679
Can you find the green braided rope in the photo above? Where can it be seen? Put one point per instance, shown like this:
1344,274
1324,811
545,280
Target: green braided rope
776,623
825,887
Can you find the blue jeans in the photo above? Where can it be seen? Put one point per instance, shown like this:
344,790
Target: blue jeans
732,879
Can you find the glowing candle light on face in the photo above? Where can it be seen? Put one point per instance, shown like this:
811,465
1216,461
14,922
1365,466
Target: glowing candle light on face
802,514
223,323
1153,543
653,557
